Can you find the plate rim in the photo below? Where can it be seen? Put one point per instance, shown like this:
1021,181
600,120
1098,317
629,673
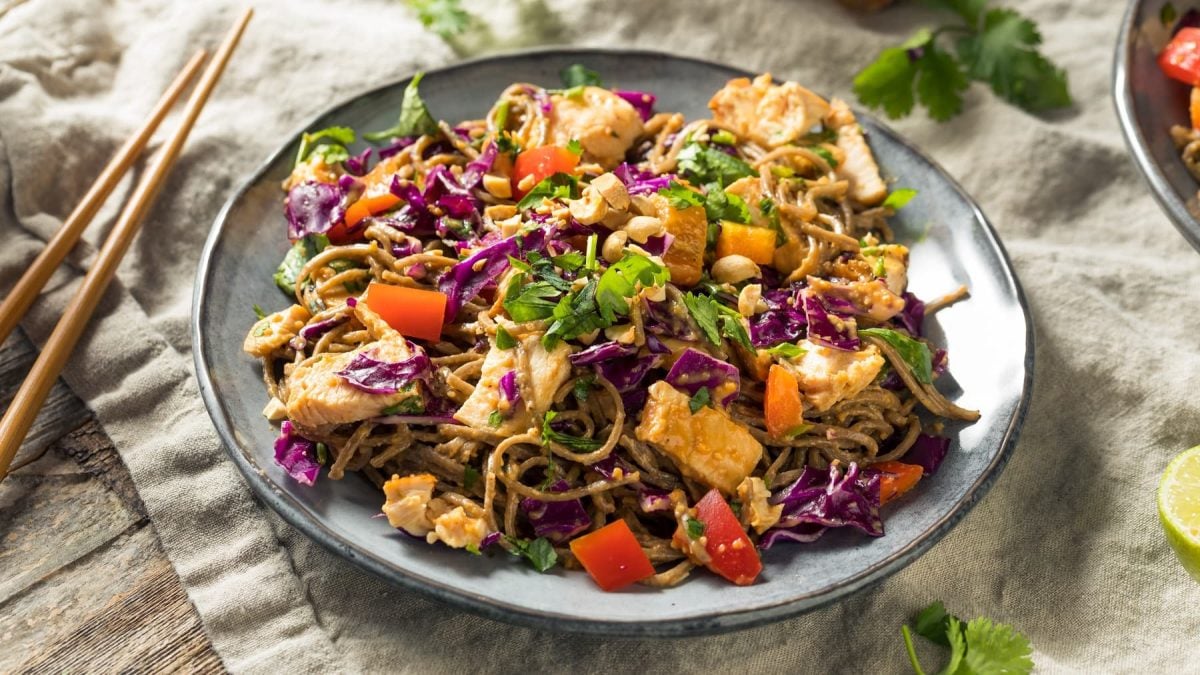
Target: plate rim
1122,93
706,624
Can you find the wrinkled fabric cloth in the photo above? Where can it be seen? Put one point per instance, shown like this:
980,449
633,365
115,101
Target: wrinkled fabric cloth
1066,546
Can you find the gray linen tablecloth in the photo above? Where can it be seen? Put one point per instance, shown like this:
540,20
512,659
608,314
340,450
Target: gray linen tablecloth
1066,546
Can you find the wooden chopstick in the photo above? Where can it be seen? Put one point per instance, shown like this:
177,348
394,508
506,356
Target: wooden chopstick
25,405
34,278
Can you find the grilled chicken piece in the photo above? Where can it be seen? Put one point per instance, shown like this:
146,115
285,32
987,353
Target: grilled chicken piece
895,265
685,258
274,331
318,396
757,512
708,446
766,113
539,374
455,527
828,375
858,166
605,124
407,503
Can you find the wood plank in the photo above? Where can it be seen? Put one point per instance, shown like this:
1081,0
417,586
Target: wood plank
62,410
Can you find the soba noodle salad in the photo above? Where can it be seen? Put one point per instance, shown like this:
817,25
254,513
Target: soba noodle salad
593,334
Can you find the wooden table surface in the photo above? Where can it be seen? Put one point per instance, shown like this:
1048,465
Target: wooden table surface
86,586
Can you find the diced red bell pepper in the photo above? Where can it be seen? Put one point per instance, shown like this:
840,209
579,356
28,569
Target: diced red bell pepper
897,479
612,556
732,554
1180,59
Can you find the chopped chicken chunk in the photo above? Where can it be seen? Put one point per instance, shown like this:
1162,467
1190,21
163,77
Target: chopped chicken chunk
318,396
708,446
274,331
769,114
828,375
895,265
408,501
757,512
457,529
605,124
539,374
858,166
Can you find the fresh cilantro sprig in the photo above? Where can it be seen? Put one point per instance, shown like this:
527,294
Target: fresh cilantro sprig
996,46
915,353
539,552
577,443
977,646
444,17
415,118
704,164
716,321
579,75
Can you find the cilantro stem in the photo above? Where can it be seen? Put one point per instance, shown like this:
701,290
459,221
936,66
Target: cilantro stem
912,650
589,261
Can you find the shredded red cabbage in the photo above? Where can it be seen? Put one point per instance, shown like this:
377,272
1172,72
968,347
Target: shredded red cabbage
297,455
642,101
827,327
816,501
912,317
638,182
784,320
358,165
463,281
695,369
928,452
315,330
312,208
556,521
509,389
380,377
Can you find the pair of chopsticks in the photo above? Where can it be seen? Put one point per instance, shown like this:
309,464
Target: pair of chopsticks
28,401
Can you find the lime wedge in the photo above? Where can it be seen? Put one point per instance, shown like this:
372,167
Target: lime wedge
1179,508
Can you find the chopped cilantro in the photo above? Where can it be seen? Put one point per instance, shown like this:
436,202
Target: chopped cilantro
504,339
826,155
529,301
539,552
589,256
898,199
680,196
506,144
582,387
716,320
701,398
880,268
330,144
915,353
720,205
723,137
578,75
575,314
576,443
495,419
695,528
559,186
621,280
470,477
571,261
415,119
1167,15
574,147
300,253
413,405
704,164
787,350
258,312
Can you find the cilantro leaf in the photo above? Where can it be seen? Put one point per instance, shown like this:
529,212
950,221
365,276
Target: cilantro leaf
570,261
414,120
329,143
931,623
996,648
577,75
695,528
621,280
716,321
958,645
1004,54
888,82
701,398
300,253
444,17
576,443
530,302
721,205
826,155
915,353
681,197
504,339
1167,15
495,419
704,164
582,388
558,186
574,315
787,350
940,83
733,328
898,199
470,477
539,552
574,147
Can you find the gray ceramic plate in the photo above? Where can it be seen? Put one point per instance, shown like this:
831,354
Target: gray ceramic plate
989,337
1148,105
